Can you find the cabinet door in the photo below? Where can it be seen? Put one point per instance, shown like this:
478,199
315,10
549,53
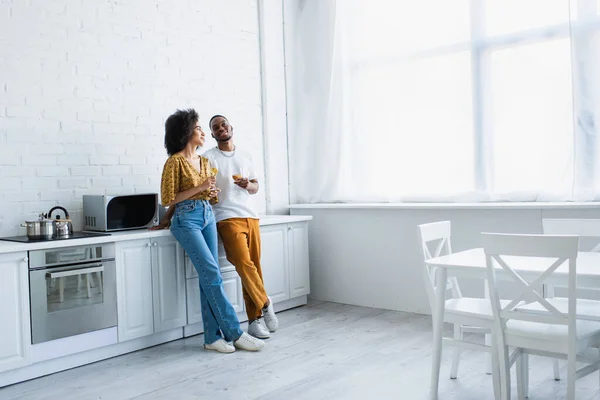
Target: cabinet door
232,284
14,311
274,261
194,312
168,284
134,289
225,266
299,269
233,290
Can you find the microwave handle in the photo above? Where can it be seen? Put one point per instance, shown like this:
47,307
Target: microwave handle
77,271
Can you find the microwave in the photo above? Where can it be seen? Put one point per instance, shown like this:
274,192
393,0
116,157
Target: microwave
117,213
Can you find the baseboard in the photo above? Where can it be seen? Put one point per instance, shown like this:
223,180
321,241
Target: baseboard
87,357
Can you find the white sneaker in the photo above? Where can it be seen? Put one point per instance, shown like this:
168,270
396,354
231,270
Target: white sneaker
249,343
221,346
270,318
258,330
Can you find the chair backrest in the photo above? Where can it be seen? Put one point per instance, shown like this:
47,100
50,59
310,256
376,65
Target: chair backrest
543,254
440,233
568,226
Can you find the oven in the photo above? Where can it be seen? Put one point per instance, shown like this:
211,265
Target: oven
72,291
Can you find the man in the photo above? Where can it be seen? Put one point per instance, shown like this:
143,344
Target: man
238,224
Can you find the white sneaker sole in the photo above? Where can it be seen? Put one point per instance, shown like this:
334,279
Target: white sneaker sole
219,350
260,337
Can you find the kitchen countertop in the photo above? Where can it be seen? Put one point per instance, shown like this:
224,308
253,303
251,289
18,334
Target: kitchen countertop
9,247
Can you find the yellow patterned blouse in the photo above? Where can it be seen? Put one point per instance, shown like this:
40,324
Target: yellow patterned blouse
179,175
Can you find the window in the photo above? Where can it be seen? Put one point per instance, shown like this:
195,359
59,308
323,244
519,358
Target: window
459,100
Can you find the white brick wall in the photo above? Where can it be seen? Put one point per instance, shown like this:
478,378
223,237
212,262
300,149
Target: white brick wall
85,87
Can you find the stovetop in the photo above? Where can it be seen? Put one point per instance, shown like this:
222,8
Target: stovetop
75,235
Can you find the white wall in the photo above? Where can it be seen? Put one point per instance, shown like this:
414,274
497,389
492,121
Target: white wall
85,87
370,257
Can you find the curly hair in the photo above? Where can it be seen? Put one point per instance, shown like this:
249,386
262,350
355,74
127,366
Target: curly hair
179,128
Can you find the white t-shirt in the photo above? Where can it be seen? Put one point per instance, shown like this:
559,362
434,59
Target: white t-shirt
234,202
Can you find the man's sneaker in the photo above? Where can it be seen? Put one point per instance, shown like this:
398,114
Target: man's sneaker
270,317
249,343
221,346
258,330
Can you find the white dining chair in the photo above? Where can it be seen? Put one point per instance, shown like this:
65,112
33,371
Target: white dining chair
554,333
584,228
467,314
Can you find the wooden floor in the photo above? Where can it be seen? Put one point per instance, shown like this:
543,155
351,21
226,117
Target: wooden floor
322,351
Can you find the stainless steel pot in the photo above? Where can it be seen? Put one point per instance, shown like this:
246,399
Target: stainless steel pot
43,228
62,227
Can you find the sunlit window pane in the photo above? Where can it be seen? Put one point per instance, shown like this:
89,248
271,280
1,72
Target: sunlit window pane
384,28
532,117
511,16
418,120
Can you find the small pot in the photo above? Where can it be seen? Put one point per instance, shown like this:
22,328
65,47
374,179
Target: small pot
42,228
62,227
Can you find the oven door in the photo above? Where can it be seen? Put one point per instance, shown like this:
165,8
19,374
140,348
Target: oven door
71,300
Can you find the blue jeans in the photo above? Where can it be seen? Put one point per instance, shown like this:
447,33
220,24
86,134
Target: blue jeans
193,225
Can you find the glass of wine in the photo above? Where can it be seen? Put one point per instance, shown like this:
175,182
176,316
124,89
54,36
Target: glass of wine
214,168
238,176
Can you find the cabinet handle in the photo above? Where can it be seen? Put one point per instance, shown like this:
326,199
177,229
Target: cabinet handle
148,244
25,259
289,228
154,244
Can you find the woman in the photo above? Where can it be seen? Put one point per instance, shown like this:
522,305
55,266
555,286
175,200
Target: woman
187,185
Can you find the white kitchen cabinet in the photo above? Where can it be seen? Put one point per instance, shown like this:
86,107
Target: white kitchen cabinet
14,311
194,312
224,265
274,261
232,285
150,287
168,284
134,289
298,256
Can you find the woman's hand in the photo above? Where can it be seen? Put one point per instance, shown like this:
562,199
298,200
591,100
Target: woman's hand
162,225
214,192
209,183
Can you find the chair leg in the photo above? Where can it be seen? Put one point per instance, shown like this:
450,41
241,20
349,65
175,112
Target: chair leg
548,291
458,336
438,328
523,376
504,367
526,370
571,369
496,371
488,338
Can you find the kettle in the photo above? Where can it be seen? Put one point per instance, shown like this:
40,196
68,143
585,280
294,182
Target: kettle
62,227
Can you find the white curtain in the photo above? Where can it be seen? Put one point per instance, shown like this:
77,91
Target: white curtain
436,100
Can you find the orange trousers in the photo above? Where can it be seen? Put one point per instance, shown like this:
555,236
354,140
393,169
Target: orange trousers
241,239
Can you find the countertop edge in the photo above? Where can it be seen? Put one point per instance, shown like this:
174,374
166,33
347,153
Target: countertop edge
13,247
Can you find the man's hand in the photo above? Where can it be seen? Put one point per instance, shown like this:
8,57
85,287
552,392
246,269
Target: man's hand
242,182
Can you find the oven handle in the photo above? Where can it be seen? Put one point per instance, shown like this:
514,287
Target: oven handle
78,271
